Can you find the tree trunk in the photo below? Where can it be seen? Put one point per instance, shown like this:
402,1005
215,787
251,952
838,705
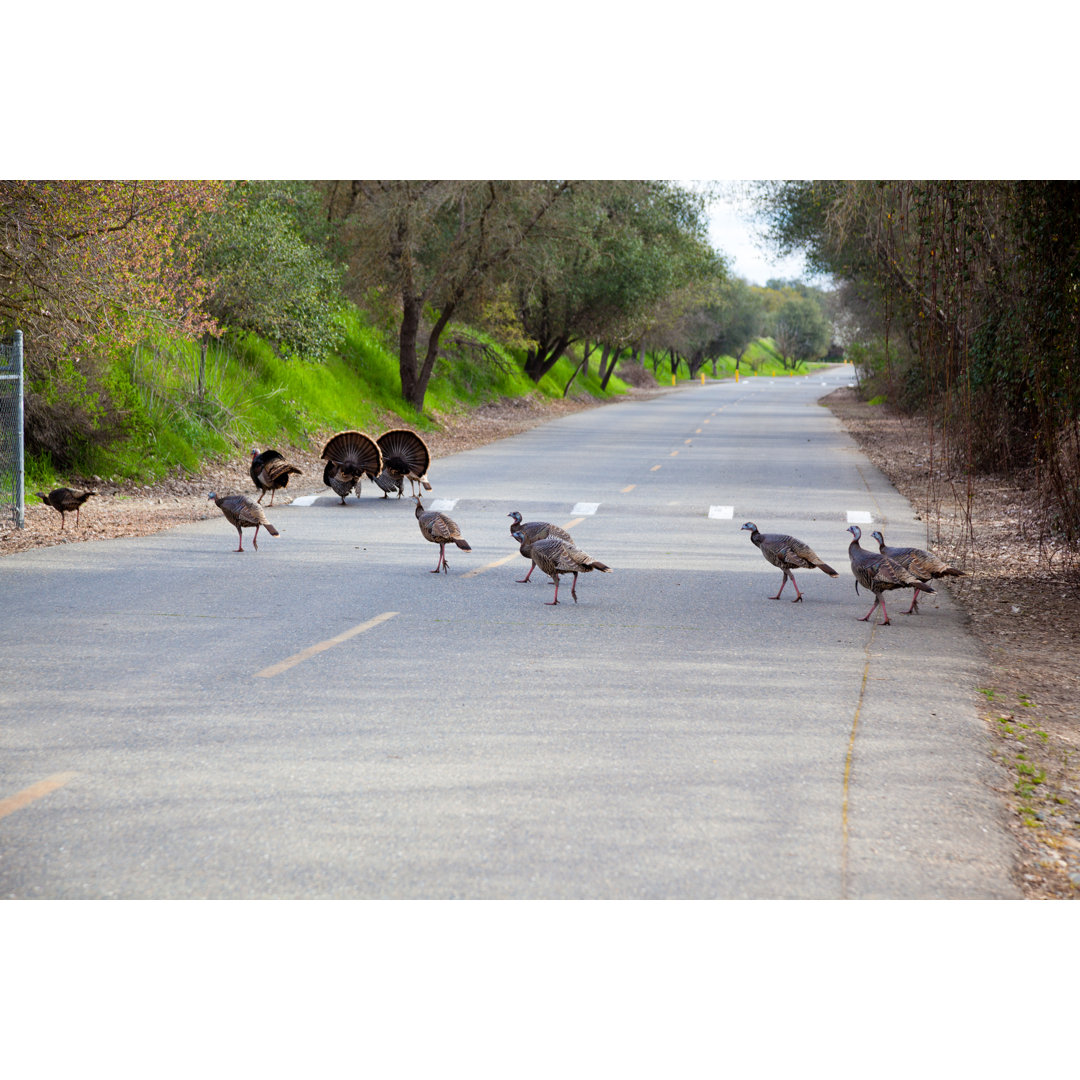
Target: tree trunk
539,361
407,365
610,369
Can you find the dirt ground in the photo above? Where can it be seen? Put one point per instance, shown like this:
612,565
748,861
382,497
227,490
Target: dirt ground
1021,598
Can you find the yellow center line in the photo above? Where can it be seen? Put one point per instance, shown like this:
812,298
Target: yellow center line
674,453
322,646
629,487
687,442
845,836
697,431
34,791
654,468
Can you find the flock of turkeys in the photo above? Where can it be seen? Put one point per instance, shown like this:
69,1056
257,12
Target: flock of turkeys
401,455
879,572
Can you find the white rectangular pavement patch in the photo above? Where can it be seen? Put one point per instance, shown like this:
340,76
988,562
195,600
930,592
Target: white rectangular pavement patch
442,504
585,508
859,517
304,500
721,511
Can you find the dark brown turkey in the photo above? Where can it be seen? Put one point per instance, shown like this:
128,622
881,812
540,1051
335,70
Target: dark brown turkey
405,457
878,573
556,556
270,472
349,455
923,564
534,530
245,513
65,500
439,529
788,554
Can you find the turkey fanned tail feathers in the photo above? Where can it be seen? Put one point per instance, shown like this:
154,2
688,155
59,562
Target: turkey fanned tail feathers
349,455
405,457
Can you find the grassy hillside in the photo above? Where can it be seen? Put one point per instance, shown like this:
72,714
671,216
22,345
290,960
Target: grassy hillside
250,395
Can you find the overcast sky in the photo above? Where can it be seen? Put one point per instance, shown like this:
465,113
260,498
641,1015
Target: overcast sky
731,234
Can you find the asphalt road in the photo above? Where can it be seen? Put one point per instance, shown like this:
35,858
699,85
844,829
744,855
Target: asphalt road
325,718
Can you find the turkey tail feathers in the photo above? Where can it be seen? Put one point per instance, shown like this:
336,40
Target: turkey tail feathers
463,544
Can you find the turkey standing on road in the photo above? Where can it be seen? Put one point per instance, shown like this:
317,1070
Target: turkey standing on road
441,530
922,564
270,472
788,554
405,457
65,500
243,512
349,455
878,573
532,531
556,556
389,482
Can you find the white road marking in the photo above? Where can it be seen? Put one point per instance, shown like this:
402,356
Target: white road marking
721,511
442,504
304,500
585,508
859,517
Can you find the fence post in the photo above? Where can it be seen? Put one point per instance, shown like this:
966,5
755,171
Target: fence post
11,426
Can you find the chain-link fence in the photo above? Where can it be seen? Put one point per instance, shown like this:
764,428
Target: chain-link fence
12,496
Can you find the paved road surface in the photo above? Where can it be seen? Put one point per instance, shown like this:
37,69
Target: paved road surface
326,718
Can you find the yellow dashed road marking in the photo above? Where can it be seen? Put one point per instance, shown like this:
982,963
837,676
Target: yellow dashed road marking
516,555
34,792
322,646
629,487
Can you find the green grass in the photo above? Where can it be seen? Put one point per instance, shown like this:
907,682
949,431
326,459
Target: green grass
251,396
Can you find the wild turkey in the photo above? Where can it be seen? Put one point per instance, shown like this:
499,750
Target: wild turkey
389,482
532,531
349,455
879,574
441,530
243,512
405,457
788,554
270,472
922,564
556,556
65,500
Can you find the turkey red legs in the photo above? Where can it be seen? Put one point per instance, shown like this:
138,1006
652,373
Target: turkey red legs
878,573
439,529
556,556
244,513
923,564
787,553
532,531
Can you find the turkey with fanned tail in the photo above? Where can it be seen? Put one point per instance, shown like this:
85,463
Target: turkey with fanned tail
349,455
405,457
